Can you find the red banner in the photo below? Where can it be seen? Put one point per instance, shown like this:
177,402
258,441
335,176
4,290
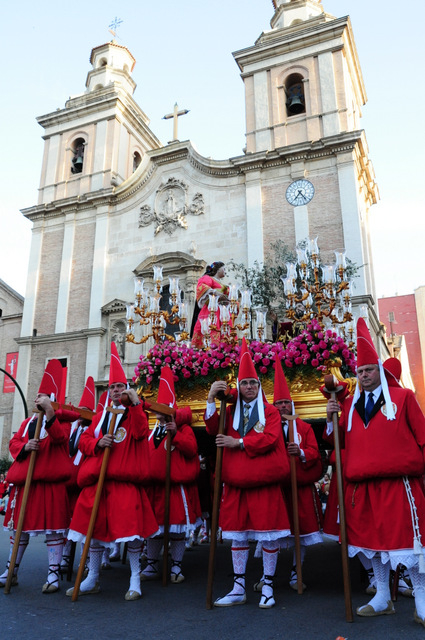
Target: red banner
12,368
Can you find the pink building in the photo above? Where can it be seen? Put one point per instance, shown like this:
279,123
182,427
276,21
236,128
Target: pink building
404,316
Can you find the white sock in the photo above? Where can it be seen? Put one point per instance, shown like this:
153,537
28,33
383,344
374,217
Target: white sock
153,549
96,552
133,550
270,555
23,543
418,582
177,549
382,575
54,553
240,553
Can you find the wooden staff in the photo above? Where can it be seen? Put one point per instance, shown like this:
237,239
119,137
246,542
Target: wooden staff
330,384
295,514
167,509
216,500
27,487
96,502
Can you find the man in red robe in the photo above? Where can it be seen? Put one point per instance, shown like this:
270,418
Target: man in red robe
125,513
184,506
254,464
305,451
78,426
47,509
383,468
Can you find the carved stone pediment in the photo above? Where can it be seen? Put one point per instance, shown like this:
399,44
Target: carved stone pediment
171,206
113,307
176,262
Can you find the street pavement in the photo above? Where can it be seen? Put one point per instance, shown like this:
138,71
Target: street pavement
178,611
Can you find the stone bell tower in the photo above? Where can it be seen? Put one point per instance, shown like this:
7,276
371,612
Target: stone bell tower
304,92
101,136
91,146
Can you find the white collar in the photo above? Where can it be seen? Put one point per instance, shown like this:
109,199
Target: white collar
375,393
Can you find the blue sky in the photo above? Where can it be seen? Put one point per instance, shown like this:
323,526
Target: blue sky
183,54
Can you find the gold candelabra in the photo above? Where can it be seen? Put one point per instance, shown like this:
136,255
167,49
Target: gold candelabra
146,311
326,296
233,316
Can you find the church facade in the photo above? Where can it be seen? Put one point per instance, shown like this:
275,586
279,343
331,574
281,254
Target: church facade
113,201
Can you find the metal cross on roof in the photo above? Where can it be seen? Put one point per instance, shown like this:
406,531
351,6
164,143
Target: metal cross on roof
116,22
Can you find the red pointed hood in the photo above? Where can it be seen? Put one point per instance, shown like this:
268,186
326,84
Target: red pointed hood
51,381
366,352
88,397
281,390
102,402
116,372
246,366
392,370
166,393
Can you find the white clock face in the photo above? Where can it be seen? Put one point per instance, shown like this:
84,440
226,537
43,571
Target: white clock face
299,192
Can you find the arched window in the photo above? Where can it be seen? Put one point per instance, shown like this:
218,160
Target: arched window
295,100
137,159
102,62
78,155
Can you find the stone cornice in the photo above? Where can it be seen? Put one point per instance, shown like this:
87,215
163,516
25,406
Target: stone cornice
94,104
67,205
11,317
94,101
235,167
61,337
291,39
299,152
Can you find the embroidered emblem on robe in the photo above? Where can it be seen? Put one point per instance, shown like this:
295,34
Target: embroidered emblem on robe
120,434
384,409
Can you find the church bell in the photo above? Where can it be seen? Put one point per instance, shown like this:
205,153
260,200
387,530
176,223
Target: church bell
77,164
295,101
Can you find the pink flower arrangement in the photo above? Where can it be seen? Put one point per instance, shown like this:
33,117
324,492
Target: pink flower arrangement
314,348
196,367
310,351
